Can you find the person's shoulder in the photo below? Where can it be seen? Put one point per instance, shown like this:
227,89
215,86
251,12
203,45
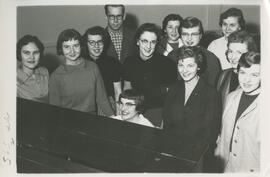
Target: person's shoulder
110,62
163,41
175,86
210,89
233,95
128,31
59,70
173,55
110,59
90,64
43,71
236,92
209,55
217,41
161,57
166,60
221,39
131,59
226,71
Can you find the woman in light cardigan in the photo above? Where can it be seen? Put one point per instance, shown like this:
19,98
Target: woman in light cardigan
238,145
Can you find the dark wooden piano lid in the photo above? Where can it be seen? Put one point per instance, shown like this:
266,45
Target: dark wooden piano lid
102,143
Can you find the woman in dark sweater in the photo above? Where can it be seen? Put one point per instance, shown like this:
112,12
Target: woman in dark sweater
96,42
192,108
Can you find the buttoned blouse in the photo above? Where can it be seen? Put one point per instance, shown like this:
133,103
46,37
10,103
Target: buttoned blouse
34,86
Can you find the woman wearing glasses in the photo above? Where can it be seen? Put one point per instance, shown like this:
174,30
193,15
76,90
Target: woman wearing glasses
32,80
131,104
96,42
239,42
77,84
148,71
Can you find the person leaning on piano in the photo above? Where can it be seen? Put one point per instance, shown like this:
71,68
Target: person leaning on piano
32,80
131,105
77,83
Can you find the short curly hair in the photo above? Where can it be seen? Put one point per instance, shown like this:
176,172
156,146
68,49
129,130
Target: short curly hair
192,52
149,27
26,40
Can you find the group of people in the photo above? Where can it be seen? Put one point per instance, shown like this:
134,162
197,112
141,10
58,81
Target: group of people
211,95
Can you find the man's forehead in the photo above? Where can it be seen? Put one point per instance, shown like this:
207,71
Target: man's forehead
115,9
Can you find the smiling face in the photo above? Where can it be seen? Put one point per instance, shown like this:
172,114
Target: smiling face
30,56
249,78
191,36
230,25
147,44
188,68
95,46
71,51
128,109
172,31
115,18
235,50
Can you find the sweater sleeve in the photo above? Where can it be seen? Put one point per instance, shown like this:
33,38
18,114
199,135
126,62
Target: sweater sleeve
103,105
54,90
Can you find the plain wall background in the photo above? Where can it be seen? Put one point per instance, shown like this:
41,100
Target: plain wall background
47,22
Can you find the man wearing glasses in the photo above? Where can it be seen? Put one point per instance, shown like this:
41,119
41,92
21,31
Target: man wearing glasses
121,38
148,71
191,32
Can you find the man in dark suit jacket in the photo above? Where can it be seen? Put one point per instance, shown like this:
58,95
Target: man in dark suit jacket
191,32
120,38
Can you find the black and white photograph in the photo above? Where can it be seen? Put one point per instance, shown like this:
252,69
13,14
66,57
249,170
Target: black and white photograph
134,87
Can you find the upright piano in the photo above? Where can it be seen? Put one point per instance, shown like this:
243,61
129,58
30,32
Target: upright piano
51,139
